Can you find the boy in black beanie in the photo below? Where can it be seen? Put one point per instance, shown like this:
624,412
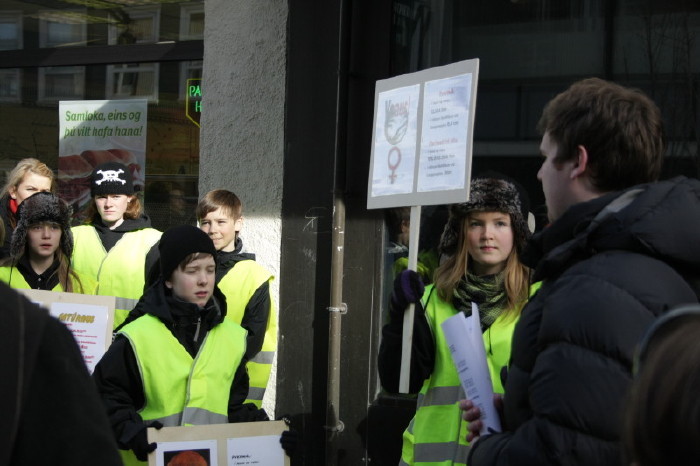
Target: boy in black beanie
147,380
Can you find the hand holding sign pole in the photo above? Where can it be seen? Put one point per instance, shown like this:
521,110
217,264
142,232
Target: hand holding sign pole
421,152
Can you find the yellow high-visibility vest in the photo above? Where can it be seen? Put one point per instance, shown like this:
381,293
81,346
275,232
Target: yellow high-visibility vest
119,272
180,390
238,285
437,434
15,279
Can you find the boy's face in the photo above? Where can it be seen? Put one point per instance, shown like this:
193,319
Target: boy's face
222,229
194,284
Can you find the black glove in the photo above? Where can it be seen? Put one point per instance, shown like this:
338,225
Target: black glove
408,288
139,443
290,439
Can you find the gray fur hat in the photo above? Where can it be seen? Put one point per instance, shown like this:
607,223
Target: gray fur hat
492,194
41,207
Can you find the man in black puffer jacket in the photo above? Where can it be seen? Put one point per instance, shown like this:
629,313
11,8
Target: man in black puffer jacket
620,250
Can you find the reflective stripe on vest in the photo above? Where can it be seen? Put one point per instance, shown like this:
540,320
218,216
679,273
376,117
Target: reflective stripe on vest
171,378
14,279
437,433
239,285
119,272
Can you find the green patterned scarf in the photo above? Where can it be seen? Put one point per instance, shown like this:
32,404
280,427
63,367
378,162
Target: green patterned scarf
488,292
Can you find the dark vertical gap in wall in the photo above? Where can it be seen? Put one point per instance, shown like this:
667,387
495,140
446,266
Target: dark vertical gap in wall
370,38
307,211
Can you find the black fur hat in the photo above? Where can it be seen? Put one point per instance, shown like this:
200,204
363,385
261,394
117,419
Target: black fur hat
42,207
494,193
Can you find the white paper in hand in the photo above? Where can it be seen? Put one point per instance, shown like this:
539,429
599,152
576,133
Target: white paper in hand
466,343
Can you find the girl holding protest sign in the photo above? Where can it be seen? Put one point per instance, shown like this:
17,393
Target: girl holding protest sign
117,245
480,246
41,247
28,177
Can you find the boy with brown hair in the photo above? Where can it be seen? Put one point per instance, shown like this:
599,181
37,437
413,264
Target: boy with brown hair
244,282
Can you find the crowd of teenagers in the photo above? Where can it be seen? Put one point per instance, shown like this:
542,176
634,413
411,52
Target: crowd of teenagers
589,325
195,327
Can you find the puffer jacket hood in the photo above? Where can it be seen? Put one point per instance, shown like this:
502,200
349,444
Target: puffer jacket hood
155,302
656,219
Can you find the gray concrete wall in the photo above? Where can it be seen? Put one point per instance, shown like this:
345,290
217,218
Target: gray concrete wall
242,123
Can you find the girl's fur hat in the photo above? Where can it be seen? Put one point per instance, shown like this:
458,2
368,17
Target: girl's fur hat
492,194
37,208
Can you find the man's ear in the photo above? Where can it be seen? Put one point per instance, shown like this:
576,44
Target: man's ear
581,163
168,284
238,224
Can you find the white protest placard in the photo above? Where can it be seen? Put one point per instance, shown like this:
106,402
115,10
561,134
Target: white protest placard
466,343
263,449
396,125
92,132
421,152
88,317
245,443
422,137
445,134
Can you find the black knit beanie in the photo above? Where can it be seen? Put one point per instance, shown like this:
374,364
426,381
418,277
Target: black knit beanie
111,178
493,194
37,208
179,242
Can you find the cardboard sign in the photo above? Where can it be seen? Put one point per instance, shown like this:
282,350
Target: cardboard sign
239,444
88,317
421,153
422,138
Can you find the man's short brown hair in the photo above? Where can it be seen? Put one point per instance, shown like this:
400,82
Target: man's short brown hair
621,129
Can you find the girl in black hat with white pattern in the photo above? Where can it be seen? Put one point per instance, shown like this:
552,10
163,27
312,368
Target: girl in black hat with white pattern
117,246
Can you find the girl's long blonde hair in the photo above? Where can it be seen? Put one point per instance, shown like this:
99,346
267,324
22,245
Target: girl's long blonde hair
454,268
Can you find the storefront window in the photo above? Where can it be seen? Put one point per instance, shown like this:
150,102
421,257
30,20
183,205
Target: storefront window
530,50
104,51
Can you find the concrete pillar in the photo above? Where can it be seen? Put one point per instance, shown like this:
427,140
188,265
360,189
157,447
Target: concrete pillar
242,123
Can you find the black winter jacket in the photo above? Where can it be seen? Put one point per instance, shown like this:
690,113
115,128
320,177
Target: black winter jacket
604,282
51,412
118,377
